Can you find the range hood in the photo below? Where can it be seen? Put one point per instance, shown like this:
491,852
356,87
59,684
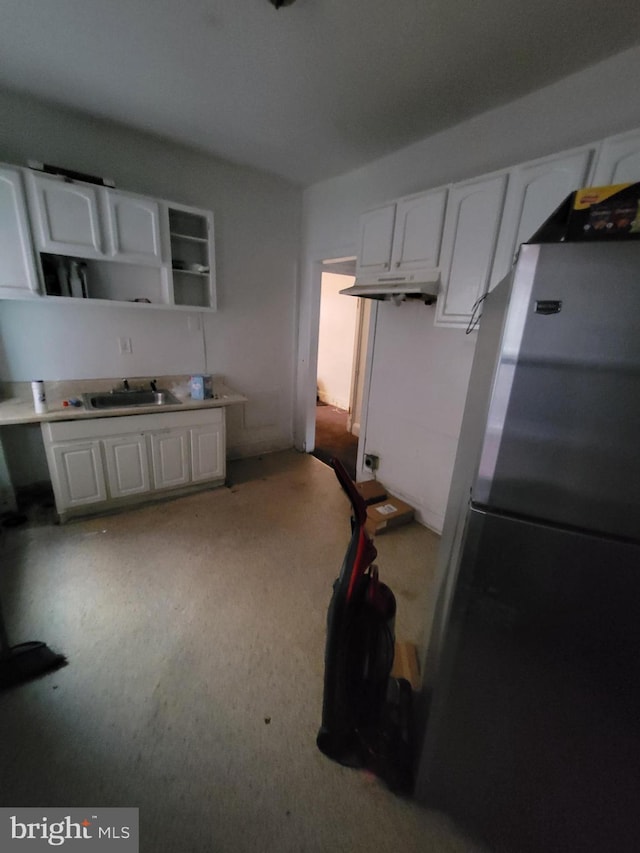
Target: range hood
422,284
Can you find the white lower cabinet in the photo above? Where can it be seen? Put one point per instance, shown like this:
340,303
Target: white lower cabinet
100,463
207,453
79,473
170,455
127,465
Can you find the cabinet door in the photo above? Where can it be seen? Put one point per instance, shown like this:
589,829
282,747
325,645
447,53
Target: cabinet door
376,237
77,474
17,270
192,242
170,457
468,244
207,452
418,231
134,228
67,217
618,161
127,465
535,191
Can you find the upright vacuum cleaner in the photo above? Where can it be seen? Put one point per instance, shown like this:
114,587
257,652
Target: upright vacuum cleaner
365,712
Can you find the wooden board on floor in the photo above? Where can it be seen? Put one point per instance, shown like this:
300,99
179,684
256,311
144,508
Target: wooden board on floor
405,664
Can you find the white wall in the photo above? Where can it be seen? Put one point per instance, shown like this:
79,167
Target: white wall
420,372
250,340
336,340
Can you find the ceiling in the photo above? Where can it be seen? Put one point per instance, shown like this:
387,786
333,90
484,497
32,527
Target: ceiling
306,91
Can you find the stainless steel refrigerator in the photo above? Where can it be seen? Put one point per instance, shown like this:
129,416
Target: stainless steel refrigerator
531,708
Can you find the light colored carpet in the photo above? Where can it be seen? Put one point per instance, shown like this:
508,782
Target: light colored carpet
195,632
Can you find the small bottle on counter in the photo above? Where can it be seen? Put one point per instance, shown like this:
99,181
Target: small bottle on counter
39,397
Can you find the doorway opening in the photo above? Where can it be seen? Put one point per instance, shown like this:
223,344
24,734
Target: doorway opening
342,344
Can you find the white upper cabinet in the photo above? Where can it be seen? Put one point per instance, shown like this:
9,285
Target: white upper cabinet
133,248
618,161
418,231
18,276
375,240
535,191
67,217
192,250
402,236
468,245
133,228
475,242
87,221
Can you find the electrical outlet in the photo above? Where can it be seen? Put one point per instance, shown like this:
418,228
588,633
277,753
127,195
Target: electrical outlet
371,461
124,345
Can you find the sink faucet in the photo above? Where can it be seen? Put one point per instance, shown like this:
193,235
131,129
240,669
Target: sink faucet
153,385
125,384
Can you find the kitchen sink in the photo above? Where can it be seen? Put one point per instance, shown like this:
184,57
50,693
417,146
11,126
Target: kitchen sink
129,399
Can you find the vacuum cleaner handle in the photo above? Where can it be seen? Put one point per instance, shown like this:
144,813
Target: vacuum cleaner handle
5,648
357,501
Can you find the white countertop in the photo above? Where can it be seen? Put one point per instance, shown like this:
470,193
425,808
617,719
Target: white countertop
17,410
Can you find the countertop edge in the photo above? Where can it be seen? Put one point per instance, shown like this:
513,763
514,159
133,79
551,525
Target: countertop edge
16,411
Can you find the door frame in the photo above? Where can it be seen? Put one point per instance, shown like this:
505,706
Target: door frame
304,423
358,365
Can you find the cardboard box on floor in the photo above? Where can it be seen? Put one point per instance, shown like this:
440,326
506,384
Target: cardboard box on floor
390,512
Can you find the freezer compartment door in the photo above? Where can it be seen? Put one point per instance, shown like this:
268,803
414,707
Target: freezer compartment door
533,740
563,433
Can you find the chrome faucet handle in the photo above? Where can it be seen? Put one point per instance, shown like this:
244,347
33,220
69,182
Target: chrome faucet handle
125,384
153,385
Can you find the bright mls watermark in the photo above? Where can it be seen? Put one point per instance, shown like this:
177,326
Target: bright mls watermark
36,829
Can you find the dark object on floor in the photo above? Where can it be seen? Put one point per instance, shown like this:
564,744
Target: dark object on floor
333,440
12,519
26,661
365,712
